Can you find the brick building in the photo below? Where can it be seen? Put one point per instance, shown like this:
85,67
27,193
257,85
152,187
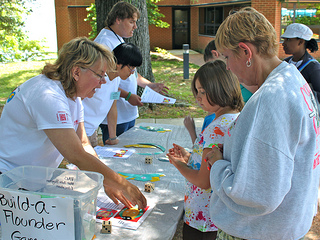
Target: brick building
193,22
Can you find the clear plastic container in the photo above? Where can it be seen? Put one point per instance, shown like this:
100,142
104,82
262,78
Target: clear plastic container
81,186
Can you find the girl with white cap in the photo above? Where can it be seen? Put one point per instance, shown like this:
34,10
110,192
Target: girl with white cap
296,40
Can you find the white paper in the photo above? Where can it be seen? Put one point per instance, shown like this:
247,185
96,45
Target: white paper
151,96
108,152
103,201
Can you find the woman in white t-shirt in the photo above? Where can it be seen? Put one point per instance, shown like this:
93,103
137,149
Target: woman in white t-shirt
42,121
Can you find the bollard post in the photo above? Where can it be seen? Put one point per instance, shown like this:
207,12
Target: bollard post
185,61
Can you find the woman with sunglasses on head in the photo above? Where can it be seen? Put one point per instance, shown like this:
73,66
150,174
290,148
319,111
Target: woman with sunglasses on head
42,121
296,40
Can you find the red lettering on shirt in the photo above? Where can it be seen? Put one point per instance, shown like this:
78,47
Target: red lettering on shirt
316,161
310,100
312,106
62,116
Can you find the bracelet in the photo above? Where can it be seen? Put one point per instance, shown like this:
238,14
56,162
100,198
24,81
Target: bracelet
129,95
112,138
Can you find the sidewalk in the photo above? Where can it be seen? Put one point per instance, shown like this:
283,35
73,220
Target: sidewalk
195,58
173,121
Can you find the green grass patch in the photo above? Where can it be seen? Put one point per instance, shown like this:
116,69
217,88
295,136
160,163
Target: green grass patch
166,70
14,74
170,72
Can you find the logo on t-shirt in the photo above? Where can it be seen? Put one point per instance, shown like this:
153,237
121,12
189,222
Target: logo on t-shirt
12,94
62,117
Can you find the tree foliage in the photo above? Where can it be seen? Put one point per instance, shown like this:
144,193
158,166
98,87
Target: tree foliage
11,22
315,20
92,19
14,43
154,17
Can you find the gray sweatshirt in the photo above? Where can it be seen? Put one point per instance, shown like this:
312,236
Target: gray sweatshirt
266,186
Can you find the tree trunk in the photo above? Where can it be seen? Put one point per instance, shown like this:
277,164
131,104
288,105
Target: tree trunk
141,34
102,9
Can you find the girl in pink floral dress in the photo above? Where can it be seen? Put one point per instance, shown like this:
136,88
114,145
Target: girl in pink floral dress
217,90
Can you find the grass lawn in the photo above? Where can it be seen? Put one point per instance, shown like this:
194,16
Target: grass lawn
166,70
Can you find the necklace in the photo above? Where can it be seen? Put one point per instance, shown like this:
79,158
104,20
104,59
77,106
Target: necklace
115,34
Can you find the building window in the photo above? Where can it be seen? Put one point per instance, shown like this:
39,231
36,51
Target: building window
210,20
301,13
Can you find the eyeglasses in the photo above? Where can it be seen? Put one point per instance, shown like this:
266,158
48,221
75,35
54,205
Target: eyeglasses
100,76
132,69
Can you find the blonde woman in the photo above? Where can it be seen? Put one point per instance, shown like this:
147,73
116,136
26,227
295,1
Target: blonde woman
265,183
42,121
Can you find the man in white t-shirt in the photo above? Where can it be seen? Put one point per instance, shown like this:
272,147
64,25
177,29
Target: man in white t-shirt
121,23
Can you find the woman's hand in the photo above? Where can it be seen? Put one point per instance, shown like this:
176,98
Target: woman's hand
214,155
127,193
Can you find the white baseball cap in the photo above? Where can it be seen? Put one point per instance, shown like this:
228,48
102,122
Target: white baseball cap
298,30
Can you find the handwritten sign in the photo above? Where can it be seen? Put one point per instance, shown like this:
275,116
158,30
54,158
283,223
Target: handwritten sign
35,217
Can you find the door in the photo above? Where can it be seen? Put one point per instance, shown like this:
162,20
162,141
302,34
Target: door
181,27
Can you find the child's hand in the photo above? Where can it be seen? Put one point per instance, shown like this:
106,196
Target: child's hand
189,123
214,155
175,159
182,151
178,155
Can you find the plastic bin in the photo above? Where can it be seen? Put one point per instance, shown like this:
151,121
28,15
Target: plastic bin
81,186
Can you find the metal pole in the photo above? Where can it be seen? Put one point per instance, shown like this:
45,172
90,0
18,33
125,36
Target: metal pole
185,61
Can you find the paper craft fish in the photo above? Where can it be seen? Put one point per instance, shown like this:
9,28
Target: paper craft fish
154,129
152,177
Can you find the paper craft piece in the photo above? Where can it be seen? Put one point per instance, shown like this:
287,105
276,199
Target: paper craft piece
154,129
152,177
151,96
163,159
139,146
119,215
104,213
147,145
108,152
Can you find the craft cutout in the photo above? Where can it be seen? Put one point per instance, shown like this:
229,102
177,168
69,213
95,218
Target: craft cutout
119,215
152,177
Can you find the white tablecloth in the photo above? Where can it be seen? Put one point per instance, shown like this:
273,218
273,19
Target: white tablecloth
169,191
